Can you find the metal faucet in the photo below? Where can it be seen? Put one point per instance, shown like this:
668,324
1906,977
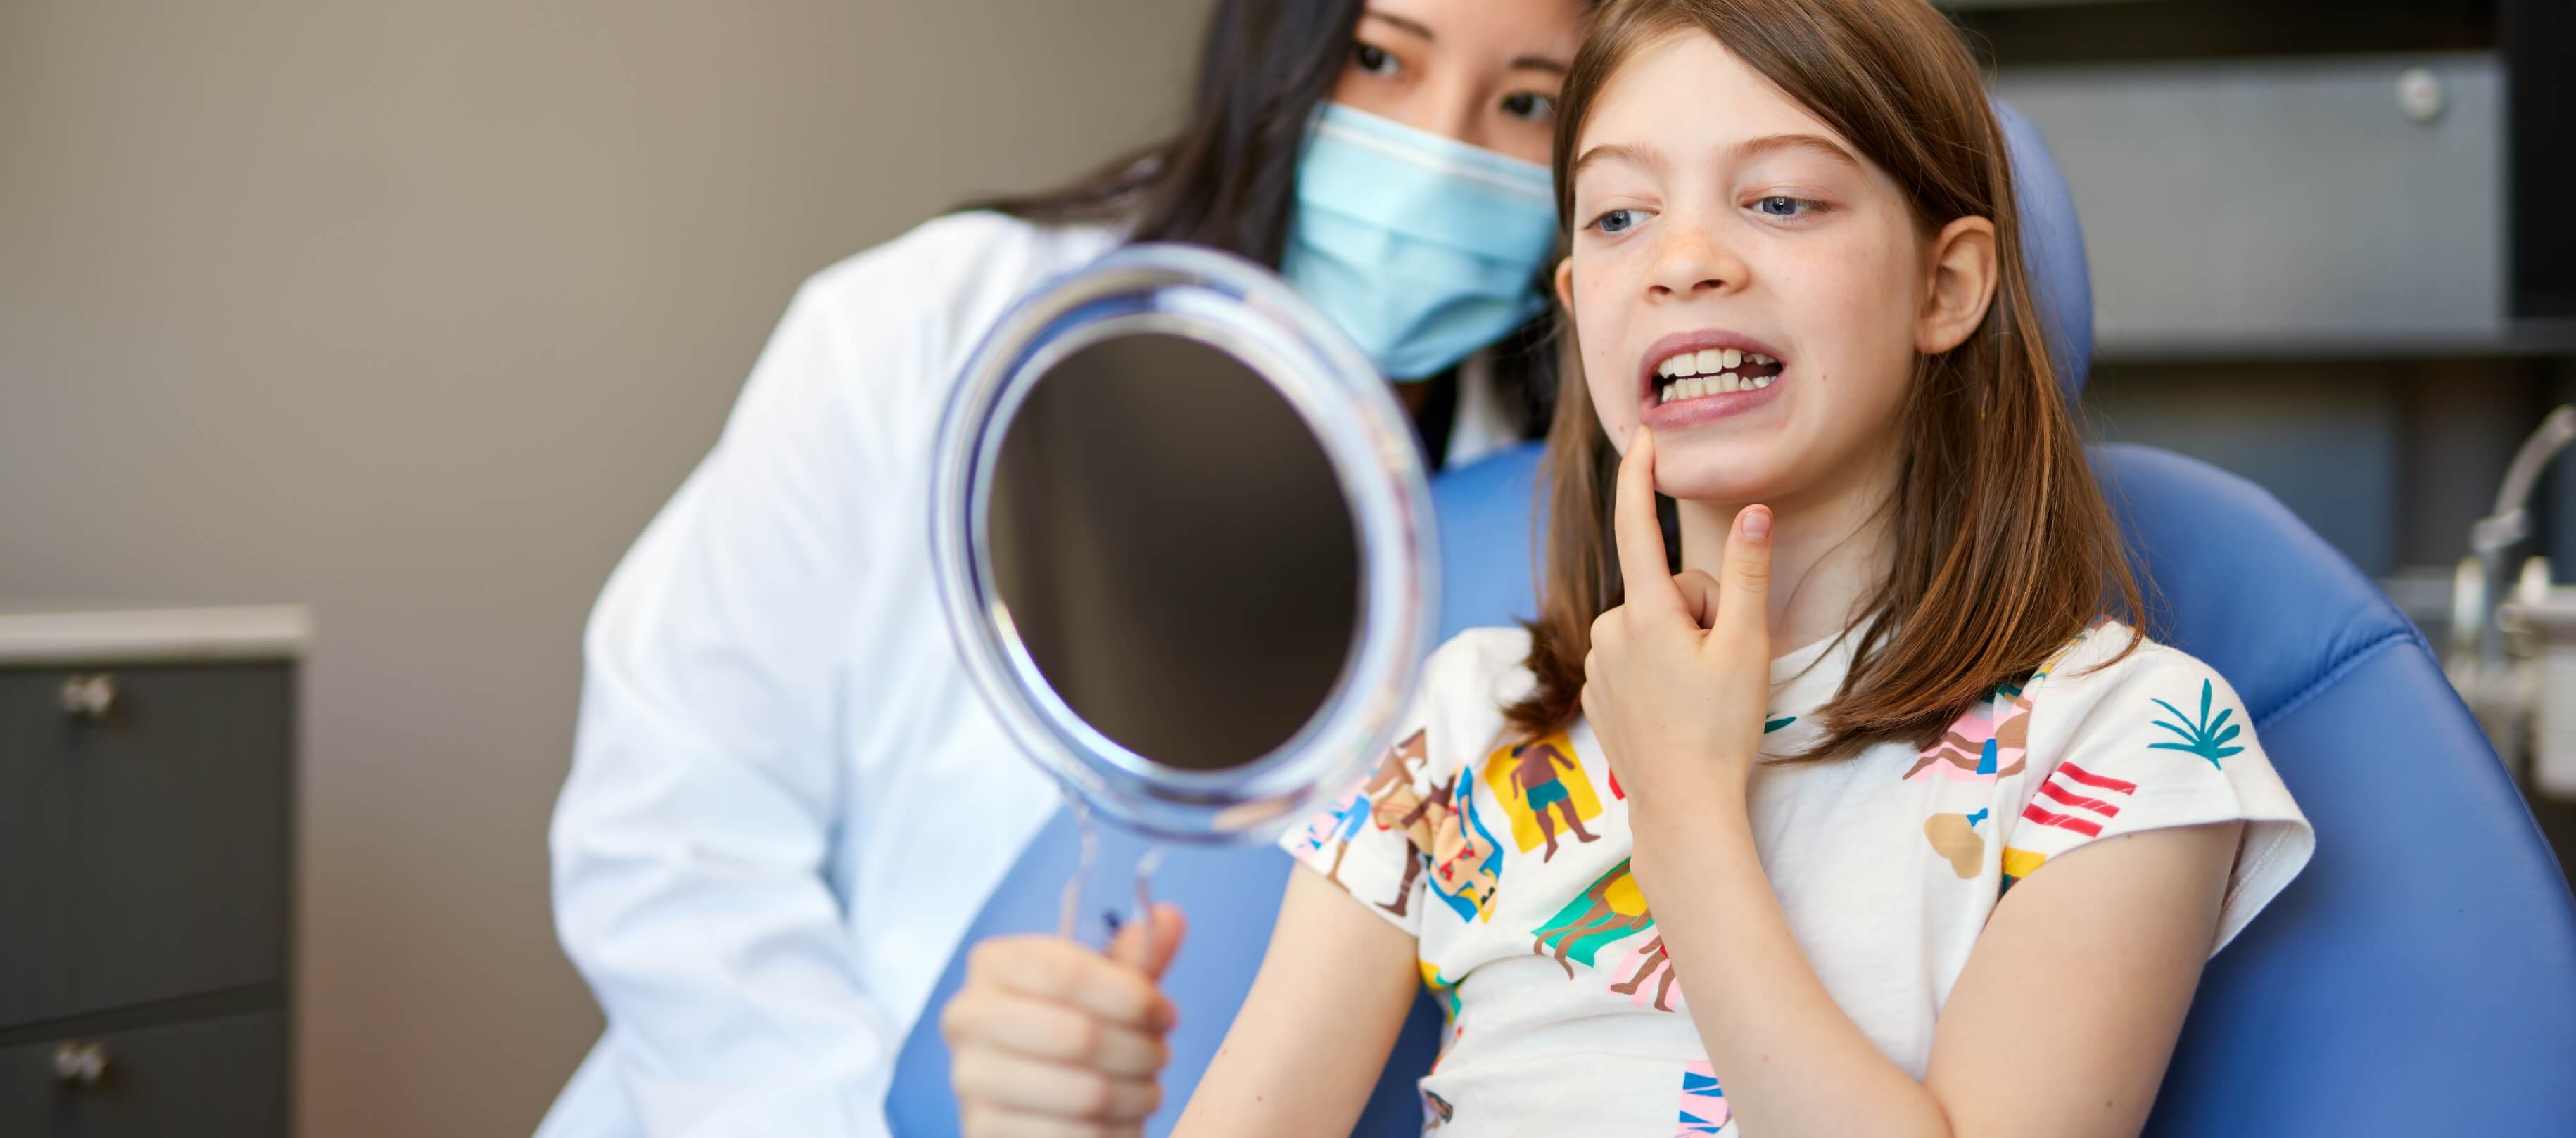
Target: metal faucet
2478,667
2497,533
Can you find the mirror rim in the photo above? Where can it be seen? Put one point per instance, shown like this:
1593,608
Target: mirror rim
1247,312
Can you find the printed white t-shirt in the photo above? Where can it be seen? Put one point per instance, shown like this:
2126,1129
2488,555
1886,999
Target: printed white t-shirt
1509,864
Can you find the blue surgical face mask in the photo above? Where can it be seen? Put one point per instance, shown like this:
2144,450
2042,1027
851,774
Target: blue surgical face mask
1421,247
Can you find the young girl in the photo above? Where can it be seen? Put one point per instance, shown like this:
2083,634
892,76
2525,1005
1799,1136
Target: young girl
1861,819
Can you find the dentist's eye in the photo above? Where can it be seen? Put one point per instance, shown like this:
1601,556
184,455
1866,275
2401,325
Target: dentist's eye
1618,221
1375,60
1530,105
1784,206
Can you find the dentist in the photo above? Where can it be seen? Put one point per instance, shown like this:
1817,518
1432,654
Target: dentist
786,803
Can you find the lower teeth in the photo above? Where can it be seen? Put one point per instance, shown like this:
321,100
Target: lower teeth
1713,386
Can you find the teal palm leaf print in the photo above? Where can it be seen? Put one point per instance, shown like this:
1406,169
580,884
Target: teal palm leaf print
2204,736
1771,725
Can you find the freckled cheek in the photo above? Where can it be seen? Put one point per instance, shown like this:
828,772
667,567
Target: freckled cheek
1861,327
1845,305
1614,400
1601,329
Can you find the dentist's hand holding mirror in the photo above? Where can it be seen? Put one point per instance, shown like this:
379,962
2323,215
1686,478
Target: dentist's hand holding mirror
1183,539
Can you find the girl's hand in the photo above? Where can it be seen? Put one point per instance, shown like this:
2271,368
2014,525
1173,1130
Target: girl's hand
1050,1039
1679,676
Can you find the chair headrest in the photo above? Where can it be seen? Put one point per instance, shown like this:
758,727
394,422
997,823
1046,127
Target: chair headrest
2052,251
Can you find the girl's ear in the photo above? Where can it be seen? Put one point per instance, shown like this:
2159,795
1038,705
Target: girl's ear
1961,285
1565,283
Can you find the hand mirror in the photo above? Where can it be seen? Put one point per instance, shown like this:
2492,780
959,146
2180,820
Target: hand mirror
1183,540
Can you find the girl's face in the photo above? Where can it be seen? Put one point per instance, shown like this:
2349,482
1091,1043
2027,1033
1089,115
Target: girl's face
1484,72
1749,286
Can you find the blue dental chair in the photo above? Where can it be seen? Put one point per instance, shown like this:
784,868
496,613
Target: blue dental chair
2419,977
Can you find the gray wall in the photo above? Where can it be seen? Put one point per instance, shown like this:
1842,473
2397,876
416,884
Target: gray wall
415,313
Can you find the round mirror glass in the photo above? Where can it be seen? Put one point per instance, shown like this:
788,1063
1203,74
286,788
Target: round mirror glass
1174,551
1183,541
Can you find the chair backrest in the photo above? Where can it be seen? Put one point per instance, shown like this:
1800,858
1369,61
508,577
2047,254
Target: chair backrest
2431,943
2429,947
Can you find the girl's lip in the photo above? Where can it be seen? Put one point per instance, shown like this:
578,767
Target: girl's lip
1682,414
1649,383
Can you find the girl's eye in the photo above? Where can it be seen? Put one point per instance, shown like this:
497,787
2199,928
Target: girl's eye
1782,205
1530,105
1374,60
1616,221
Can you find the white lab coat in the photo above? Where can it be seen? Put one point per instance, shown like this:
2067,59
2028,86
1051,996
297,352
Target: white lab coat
787,803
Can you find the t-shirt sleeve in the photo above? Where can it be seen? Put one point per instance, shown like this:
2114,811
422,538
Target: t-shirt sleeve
1359,841
2157,740
1374,839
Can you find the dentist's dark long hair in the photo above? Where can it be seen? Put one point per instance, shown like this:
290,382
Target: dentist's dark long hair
1228,178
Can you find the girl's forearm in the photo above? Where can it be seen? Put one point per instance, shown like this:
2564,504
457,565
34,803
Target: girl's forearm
1307,1046
1787,1058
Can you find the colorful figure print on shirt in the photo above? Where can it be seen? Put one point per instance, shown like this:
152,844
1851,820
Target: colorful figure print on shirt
1389,785
1444,992
2017,865
1338,825
1436,1112
1703,1104
1395,806
1983,745
1612,909
1393,778
1648,962
2202,736
1466,861
1539,784
2078,800
1988,742
1955,837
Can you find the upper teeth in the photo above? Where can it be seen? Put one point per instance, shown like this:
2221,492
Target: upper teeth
1710,371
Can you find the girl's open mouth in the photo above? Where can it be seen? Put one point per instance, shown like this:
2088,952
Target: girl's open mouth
1690,378
1713,371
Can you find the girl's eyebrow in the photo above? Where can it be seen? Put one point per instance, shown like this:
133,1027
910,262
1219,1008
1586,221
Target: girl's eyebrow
1640,154
1752,148
1632,153
1637,153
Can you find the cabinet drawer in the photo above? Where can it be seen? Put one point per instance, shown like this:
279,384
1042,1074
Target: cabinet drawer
2284,205
214,1078
145,847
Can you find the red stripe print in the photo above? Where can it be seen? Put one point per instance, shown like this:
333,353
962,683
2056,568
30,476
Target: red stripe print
2095,781
2061,821
2071,798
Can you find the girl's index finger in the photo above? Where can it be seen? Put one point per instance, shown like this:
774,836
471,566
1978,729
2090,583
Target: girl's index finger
1640,537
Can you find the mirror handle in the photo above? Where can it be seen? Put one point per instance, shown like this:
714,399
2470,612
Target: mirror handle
1143,916
1069,911
1068,918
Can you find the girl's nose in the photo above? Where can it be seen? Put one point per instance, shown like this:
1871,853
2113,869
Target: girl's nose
1692,263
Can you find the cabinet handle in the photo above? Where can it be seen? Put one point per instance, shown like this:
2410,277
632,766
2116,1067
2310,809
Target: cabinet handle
80,1064
89,697
2420,94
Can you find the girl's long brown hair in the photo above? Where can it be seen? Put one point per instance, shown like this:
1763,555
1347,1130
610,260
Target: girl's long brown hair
2002,548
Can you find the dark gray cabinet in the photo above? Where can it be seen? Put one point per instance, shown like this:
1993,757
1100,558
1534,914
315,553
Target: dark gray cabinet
214,1077
146,822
